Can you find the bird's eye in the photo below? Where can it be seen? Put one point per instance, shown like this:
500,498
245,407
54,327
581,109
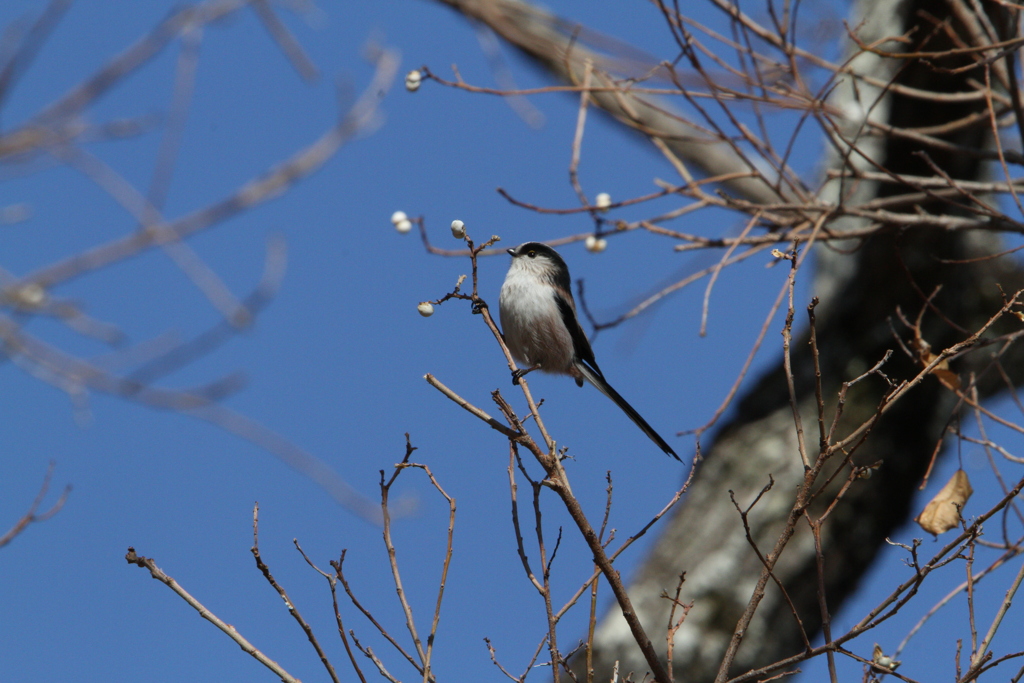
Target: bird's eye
531,254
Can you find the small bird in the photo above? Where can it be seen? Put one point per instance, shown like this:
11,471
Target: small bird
538,317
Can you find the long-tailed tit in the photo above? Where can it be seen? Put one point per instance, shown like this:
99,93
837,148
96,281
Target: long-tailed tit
538,317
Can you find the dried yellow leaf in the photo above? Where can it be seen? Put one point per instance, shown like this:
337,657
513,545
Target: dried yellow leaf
949,379
942,513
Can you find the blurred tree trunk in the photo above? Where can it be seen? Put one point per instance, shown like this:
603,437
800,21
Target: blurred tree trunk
862,285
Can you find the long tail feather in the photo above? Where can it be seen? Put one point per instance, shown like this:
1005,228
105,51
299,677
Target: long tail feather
599,382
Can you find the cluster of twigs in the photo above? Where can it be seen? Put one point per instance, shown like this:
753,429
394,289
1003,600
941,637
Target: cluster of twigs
741,103
419,659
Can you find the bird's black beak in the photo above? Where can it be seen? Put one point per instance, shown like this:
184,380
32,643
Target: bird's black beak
511,252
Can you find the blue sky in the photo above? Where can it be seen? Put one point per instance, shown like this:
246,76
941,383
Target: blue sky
336,363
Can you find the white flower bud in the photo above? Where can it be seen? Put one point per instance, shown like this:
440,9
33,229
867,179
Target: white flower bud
401,221
425,309
596,245
603,201
458,229
413,79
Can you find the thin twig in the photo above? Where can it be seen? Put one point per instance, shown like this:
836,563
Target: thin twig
332,581
265,570
247,647
31,517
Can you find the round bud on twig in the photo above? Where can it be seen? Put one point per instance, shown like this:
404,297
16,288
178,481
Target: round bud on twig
426,309
595,244
401,221
458,229
603,201
413,79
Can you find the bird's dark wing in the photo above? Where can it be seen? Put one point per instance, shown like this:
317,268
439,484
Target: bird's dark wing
581,346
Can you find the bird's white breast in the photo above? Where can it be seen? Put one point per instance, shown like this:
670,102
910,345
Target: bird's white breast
532,323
